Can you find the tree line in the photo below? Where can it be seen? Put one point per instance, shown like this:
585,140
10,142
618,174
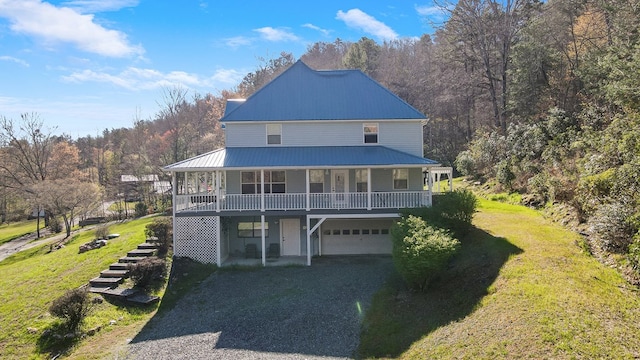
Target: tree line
540,97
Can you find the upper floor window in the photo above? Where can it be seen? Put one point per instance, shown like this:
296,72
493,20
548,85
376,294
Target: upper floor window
274,182
370,133
274,134
400,179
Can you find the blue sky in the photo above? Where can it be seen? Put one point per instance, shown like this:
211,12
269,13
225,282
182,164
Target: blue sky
87,65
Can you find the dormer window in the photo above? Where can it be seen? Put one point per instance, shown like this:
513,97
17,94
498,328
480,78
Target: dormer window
274,134
370,133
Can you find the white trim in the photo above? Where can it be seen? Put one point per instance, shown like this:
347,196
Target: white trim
317,121
308,242
377,125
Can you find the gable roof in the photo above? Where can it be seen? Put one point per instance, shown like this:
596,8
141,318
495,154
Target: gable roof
301,93
300,157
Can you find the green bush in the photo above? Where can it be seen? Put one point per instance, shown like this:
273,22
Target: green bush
147,271
160,228
73,306
451,211
141,209
101,231
613,227
420,251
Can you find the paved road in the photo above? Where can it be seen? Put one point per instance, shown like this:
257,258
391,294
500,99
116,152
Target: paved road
272,313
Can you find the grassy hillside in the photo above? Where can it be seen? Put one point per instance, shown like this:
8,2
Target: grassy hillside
32,279
12,231
520,288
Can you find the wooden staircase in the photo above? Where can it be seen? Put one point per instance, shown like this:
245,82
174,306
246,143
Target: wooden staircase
109,279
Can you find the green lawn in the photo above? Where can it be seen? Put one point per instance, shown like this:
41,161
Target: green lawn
12,231
520,288
33,278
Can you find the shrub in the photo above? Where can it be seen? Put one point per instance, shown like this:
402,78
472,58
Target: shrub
452,211
160,228
72,307
420,251
146,271
141,209
54,225
101,231
613,227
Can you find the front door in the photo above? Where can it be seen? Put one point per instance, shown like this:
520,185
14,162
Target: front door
290,237
339,186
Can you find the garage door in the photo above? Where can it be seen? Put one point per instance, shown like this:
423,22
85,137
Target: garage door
356,236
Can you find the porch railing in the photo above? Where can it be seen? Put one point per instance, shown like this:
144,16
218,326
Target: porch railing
298,201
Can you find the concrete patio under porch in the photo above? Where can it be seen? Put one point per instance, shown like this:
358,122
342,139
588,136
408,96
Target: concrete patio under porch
279,261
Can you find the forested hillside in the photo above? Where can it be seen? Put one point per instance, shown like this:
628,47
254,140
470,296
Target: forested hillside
541,98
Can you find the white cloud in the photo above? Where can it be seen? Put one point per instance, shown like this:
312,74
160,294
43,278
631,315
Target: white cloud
65,25
273,34
237,41
325,32
15,60
94,6
433,12
146,79
358,19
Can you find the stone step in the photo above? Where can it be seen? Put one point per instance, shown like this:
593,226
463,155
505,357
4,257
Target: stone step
105,282
146,246
141,252
152,239
119,266
99,289
114,273
130,259
119,292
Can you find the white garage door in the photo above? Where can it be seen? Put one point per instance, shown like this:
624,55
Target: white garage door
356,236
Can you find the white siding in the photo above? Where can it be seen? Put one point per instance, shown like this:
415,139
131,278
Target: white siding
405,136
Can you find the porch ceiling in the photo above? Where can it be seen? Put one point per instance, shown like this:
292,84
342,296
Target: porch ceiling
300,157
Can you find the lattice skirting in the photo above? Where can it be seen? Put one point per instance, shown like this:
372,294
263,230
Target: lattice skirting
197,237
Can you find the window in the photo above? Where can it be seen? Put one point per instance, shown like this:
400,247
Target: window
384,231
375,231
400,179
316,181
355,232
252,229
336,232
361,180
274,182
371,133
274,134
346,232
365,231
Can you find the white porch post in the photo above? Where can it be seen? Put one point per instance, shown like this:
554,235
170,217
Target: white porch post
308,241
264,255
368,188
217,191
308,206
174,194
261,189
218,239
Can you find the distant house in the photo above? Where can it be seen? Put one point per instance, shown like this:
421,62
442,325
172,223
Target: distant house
132,185
315,163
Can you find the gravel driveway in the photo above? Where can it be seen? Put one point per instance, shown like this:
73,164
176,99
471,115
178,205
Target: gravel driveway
271,313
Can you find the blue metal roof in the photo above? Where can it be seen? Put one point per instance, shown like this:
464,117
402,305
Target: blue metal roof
301,93
300,157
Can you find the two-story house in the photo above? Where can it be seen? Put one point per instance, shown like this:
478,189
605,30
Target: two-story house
315,163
